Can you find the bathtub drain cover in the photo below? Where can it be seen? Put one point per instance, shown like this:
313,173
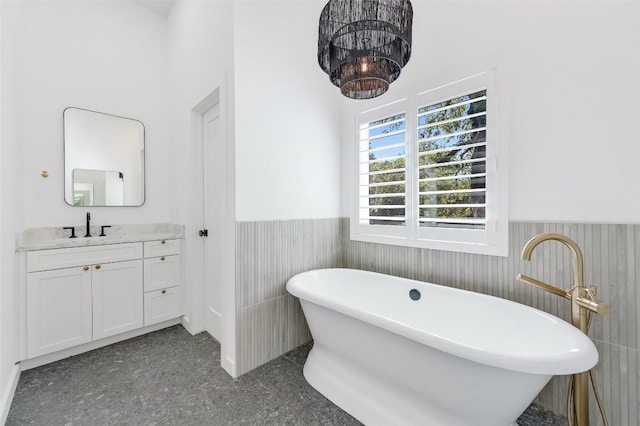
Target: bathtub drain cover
414,294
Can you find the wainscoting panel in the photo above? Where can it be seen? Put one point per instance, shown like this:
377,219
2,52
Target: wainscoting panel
268,330
271,252
270,322
611,263
268,253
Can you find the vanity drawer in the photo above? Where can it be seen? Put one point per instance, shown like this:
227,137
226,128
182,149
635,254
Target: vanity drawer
161,272
161,305
42,260
161,248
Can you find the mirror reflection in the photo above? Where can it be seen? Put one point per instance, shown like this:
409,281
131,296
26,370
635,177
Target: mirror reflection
98,188
103,158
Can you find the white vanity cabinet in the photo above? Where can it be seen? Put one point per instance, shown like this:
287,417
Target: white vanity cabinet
161,280
77,295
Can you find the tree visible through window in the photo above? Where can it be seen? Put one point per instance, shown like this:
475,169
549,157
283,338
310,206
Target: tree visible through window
428,170
452,138
384,152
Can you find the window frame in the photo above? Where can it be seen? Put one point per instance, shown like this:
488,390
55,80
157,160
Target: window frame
390,231
493,239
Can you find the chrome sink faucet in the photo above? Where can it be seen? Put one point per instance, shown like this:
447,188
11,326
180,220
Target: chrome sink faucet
583,299
88,234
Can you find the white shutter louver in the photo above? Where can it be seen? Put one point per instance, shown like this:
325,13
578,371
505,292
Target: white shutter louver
382,175
451,149
432,170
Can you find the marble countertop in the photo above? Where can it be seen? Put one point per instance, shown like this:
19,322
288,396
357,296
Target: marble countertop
48,238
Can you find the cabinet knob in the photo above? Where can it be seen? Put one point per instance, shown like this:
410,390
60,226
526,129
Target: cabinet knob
97,266
164,292
86,268
162,258
163,242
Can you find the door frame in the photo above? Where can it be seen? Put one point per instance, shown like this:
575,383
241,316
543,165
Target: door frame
195,264
213,190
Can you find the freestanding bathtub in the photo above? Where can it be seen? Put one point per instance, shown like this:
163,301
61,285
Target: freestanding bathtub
452,357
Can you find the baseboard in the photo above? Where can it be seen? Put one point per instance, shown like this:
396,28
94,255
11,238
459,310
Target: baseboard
8,392
76,350
229,366
188,325
213,323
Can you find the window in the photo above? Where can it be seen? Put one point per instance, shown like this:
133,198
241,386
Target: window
383,154
428,171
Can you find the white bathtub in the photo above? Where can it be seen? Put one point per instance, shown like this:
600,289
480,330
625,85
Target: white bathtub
453,357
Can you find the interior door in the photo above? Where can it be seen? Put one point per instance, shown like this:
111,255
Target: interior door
213,195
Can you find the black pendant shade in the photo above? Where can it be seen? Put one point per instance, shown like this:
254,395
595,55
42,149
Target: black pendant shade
363,44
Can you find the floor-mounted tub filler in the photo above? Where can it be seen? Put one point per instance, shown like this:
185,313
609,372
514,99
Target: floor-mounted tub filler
393,351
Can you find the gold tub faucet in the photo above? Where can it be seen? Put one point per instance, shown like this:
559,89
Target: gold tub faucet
579,295
583,299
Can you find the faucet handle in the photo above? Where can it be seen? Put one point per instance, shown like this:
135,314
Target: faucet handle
102,234
602,308
547,287
73,231
599,308
592,303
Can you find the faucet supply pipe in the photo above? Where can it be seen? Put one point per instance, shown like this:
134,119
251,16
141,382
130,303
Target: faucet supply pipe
583,302
594,386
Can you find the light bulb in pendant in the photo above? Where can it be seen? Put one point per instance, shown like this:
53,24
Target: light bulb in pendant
364,65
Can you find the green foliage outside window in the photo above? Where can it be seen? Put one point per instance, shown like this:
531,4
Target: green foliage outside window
452,131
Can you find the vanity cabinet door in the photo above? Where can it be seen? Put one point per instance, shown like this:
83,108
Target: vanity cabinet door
117,298
59,310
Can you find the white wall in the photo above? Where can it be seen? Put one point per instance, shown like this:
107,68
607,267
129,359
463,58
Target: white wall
200,39
10,210
288,131
104,56
569,80
283,154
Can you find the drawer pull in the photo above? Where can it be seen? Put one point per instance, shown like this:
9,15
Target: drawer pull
162,258
86,268
97,266
163,242
164,292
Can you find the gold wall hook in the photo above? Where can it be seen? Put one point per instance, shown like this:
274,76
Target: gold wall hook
44,174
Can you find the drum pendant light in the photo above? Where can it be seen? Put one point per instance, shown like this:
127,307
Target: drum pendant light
363,44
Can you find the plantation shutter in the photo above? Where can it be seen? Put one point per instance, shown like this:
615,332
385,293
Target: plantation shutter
432,170
382,171
452,162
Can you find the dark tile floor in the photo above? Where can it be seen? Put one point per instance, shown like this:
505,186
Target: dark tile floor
172,378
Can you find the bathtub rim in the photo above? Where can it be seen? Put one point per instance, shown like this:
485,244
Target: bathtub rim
565,364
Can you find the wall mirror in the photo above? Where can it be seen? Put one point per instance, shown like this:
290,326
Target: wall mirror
103,159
